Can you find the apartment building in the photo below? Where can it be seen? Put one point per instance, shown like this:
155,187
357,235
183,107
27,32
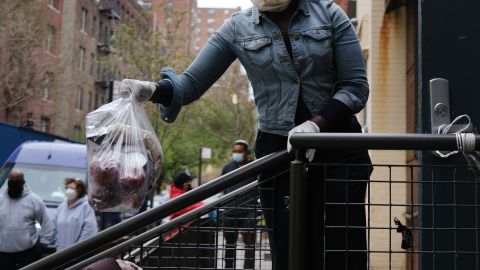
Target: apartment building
207,22
70,82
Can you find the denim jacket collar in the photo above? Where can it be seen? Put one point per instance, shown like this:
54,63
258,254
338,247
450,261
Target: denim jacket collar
256,13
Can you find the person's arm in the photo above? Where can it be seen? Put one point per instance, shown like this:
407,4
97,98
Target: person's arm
175,91
89,226
351,89
46,234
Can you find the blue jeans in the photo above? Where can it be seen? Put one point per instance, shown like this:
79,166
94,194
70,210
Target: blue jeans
273,193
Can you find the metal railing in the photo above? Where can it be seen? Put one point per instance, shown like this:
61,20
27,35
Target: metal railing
419,243
96,244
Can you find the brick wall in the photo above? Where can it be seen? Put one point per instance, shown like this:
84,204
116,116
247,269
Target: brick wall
384,35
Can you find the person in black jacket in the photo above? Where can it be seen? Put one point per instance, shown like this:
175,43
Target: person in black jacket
240,215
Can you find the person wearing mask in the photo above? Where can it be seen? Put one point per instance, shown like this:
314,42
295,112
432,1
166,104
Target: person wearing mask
182,183
75,220
307,71
20,209
240,215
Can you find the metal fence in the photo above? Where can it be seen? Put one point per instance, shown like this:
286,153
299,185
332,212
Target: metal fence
417,216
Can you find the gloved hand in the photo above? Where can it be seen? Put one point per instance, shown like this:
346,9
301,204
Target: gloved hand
306,127
141,90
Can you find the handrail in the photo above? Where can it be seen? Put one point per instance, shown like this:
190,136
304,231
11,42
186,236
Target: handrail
153,215
380,141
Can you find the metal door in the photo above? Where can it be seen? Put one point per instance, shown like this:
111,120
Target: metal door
449,48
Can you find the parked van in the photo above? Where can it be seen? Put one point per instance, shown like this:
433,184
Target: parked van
45,166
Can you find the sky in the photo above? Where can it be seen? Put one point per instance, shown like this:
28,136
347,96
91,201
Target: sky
244,4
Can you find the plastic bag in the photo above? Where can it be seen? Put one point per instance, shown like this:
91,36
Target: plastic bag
124,156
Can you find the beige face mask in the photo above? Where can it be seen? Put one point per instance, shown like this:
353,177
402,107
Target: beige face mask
271,5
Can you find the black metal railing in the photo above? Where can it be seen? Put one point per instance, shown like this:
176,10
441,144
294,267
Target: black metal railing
97,243
418,216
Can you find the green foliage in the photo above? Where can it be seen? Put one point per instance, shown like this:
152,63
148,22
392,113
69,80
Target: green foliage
214,121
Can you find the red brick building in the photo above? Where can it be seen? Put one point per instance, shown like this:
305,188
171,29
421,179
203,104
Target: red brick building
207,22
69,82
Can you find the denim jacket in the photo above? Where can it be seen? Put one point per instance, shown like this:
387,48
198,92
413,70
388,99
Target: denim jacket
327,64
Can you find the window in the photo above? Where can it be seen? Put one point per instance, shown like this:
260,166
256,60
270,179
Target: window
92,64
99,70
82,58
54,4
211,11
78,130
79,100
210,30
45,124
100,27
83,22
50,44
169,6
90,101
210,21
47,84
94,27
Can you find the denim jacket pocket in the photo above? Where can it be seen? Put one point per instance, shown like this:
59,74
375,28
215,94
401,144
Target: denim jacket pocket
258,50
319,44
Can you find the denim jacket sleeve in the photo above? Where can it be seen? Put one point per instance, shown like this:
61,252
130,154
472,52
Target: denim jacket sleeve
212,61
351,87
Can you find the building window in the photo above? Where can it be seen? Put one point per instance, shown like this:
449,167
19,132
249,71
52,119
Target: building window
83,23
210,30
50,44
47,85
226,12
45,124
210,20
78,130
100,27
90,101
94,27
54,4
82,59
169,6
79,99
92,64
211,11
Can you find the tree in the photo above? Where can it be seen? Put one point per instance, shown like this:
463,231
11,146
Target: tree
22,70
223,115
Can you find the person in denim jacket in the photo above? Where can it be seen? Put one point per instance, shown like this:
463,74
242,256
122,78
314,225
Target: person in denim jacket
307,71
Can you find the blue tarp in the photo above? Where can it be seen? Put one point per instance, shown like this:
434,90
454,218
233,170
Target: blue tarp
12,136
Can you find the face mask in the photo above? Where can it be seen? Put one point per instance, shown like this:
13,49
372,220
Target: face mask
271,5
238,157
15,189
70,193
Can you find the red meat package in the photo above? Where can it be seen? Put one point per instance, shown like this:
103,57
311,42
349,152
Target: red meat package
124,156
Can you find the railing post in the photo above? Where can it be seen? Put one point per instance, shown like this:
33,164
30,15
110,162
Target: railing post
297,217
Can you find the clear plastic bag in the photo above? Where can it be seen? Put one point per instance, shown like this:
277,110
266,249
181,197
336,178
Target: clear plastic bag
124,156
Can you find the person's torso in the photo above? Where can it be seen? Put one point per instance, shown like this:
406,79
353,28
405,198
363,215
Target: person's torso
276,78
69,223
17,223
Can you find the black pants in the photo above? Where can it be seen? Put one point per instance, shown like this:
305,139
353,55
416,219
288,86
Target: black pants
17,260
335,194
245,224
